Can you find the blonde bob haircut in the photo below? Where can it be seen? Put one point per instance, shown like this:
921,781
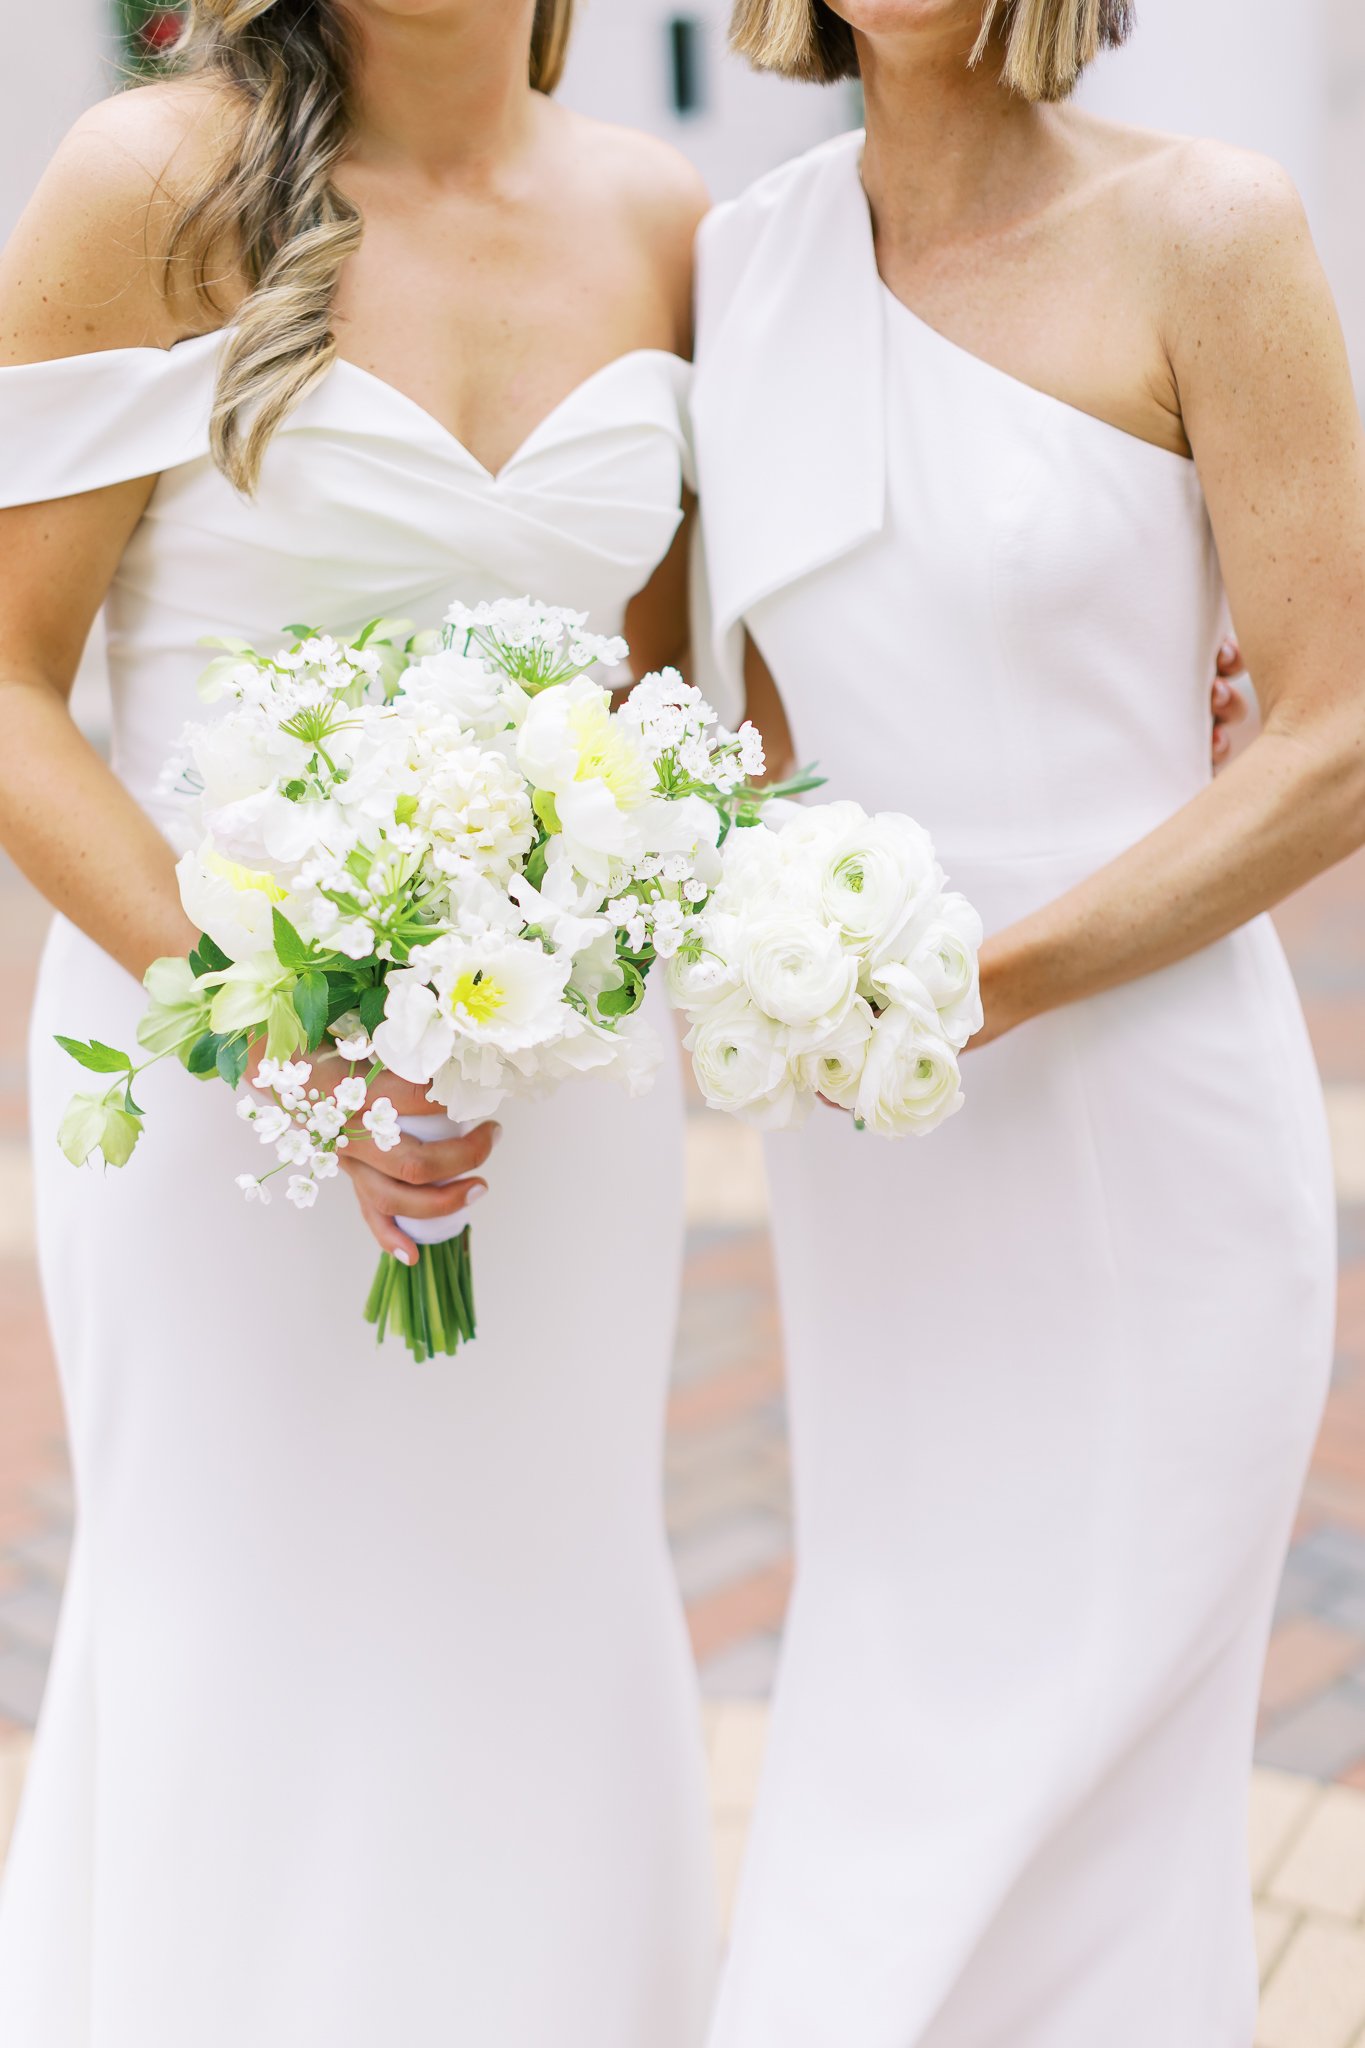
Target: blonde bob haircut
1047,43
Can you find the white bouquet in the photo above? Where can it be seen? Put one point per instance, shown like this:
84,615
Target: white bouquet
831,962
450,857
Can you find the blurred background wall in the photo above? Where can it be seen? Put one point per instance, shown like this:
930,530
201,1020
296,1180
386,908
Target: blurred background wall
1284,76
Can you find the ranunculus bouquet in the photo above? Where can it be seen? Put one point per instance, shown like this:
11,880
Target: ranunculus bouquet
449,857
831,962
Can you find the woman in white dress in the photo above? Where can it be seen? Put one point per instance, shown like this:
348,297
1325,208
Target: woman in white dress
372,1717
1054,1374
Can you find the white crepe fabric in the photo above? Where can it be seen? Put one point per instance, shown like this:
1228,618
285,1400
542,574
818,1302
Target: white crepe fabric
1055,1371
372,1716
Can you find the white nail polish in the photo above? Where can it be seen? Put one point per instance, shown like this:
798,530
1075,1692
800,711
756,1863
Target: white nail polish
475,1195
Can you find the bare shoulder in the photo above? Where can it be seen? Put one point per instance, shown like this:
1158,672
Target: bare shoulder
84,269
656,182
1208,218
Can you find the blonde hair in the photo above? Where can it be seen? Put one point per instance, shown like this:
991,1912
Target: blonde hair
272,205
1048,43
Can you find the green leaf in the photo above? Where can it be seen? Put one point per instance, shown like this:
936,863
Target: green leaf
99,1059
208,958
203,1055
231,1059
536,863
290,949
372,1008
312,1001
405,810
543,804
297,632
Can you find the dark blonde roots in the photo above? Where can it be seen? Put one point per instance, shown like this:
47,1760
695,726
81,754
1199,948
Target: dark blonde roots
273,202
1048,43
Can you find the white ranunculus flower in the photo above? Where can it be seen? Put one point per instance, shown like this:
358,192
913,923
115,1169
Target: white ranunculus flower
910,1081
944,961
242,753
834,1066
743,1064
878,882
797,971
698,979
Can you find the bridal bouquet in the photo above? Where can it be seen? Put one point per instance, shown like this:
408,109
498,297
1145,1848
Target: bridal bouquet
830,962
450,857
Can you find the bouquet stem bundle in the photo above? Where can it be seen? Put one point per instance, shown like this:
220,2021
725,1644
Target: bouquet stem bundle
429,1306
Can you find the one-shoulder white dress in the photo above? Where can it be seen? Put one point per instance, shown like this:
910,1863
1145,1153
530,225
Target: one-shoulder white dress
1055,1371
372,1717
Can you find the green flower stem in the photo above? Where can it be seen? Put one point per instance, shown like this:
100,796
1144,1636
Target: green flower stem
429,1305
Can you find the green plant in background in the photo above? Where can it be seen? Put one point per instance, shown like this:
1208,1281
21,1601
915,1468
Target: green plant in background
147,29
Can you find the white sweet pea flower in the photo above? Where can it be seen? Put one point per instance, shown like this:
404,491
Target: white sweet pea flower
464,687
910,1081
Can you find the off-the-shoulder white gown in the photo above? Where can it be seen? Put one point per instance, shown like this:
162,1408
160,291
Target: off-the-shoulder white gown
372,1717
1055,1371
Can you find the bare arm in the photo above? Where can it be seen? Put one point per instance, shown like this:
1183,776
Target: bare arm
76,277
1266,394
82,274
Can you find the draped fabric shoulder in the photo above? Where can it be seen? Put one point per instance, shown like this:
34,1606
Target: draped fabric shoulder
787,402
83,422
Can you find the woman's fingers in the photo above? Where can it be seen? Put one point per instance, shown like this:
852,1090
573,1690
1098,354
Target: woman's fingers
388,1236
419,1165
389,1197
1230,662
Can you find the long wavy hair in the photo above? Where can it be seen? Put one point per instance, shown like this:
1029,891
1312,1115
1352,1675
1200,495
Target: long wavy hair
273,202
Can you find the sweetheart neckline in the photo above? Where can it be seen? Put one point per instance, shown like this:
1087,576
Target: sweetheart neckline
413,406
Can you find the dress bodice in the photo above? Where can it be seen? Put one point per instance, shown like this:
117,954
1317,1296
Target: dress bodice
366,504
980,604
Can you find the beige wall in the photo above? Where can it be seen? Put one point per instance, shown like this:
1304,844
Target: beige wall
58,57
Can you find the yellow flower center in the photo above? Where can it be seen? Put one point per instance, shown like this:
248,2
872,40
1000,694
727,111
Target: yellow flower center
607,754
242,879
478,995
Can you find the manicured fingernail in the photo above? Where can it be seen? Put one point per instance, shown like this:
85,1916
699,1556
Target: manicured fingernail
1221,692
408,1258
494,1135
476,1194
1228,651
